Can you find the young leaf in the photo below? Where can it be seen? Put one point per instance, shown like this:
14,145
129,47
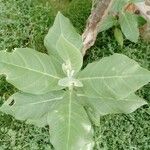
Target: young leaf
116,76
30,71
118,36
69,125
62,40
109,105
68,82
129,26
107,23
71,56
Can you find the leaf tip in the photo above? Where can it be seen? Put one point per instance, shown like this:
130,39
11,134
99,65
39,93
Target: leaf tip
59,14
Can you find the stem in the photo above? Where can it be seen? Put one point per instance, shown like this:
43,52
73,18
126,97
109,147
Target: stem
98,14
70,88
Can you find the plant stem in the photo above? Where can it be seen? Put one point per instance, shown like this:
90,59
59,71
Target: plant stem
98,14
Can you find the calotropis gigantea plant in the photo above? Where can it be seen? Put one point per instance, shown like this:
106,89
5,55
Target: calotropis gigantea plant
55,91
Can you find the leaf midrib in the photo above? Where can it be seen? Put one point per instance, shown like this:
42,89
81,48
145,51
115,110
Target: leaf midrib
69,119
56,77
65,38
109,98
45,101
110,77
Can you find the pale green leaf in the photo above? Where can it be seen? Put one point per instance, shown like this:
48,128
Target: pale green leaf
62,40
129,26
118,5
30,71
70,127
116,76
118,36
107,23
71,56
109,105
32,108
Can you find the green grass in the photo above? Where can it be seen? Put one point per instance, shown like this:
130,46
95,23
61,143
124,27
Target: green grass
24,24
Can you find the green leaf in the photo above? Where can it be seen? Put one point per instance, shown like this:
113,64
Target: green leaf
129,26
141,21
62,27
31,71
118,5
118,36
109,105
71,56
107,23
69,125
32,108
116,76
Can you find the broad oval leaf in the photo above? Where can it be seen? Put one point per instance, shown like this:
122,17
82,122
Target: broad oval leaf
129,26
70,128
62,27
31,71
107,23
116,76
110,105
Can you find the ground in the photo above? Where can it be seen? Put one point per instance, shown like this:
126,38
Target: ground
24,24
